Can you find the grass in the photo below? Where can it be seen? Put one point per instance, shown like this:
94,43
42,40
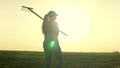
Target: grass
25,59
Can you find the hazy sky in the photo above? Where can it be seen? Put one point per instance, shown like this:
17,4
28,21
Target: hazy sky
20,30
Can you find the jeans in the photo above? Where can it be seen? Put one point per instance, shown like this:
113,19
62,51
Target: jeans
50,51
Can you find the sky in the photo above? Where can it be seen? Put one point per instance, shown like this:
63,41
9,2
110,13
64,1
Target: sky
99,29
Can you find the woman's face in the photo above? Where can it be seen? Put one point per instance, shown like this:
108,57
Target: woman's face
53,17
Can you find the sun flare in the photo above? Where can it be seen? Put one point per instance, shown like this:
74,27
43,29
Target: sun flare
72,21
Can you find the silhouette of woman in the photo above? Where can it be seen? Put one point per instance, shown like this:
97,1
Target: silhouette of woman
51,43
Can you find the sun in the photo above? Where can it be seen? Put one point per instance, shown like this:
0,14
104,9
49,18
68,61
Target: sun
73,22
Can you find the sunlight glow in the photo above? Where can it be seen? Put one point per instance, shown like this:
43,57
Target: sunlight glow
72,21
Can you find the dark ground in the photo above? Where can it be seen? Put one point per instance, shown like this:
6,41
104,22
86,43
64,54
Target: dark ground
25,59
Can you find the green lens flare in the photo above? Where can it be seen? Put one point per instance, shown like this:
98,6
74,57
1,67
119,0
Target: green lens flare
52,43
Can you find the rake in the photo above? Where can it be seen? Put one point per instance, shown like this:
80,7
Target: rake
31,10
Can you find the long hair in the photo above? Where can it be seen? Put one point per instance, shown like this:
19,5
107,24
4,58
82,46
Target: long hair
45,24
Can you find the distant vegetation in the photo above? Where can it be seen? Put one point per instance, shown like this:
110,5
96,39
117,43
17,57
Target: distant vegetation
24,59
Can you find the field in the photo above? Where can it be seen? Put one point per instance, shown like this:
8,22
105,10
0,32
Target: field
25,59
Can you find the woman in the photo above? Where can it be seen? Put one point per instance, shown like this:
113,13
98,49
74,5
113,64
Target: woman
51,44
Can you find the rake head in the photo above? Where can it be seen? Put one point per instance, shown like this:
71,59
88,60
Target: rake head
25,8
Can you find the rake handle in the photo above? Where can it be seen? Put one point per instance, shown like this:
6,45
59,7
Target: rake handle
30,9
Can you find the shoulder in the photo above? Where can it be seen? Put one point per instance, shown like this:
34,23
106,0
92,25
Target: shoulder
55,22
